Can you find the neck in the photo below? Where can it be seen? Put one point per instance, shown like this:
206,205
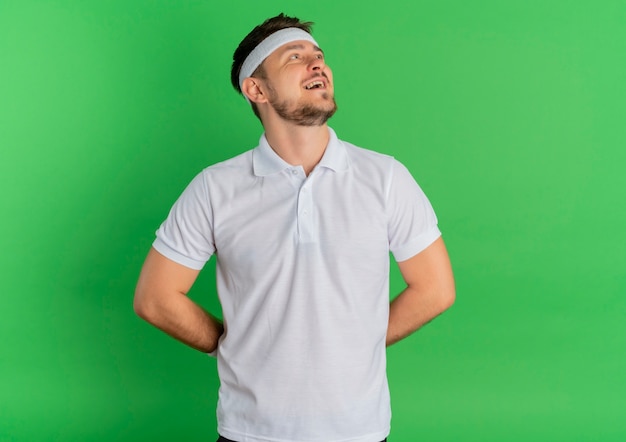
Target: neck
298,145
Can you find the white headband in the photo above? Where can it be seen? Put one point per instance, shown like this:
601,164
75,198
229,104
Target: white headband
269,45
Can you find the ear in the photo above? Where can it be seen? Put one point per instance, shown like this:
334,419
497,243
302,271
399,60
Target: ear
252,88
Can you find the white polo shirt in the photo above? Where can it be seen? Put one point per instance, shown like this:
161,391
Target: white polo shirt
303,279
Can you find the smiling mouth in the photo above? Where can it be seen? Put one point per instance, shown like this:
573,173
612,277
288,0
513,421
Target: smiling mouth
317,84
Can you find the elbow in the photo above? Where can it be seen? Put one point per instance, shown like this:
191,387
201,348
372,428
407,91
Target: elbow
138,307
446,299
450,298
142,306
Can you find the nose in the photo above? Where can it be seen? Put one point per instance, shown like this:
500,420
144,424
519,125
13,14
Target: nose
316,63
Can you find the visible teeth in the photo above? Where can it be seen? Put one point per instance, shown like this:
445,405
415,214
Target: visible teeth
314,84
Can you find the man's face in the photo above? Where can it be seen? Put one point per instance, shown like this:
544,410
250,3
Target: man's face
300,87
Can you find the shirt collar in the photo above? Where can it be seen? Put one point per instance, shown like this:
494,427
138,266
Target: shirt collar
267,162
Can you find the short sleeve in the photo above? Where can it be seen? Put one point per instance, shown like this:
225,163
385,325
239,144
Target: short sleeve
412,223
186,236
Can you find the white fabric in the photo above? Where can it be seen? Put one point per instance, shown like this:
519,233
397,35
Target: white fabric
269,45
303,276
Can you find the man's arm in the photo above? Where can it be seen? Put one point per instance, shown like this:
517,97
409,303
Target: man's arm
430,290
161,299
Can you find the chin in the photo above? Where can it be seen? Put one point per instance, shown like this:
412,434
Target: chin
313,113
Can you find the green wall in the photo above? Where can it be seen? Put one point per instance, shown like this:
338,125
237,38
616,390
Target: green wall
510,114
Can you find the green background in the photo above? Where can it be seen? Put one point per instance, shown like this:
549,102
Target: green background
510,114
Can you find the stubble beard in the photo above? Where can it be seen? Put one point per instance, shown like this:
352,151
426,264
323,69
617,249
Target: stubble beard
304,115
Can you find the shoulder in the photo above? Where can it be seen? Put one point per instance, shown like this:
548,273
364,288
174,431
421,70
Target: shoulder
235,165
366,155
372,162
218,177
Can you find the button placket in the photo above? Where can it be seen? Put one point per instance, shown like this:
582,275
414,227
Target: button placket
305,213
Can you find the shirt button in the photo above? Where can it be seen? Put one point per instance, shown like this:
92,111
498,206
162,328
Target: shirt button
294,171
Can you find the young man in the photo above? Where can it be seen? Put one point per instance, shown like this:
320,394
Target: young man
302,227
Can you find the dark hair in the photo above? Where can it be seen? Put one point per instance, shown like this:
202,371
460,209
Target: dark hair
256,36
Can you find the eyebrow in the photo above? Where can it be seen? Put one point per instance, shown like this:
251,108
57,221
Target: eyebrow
301,46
